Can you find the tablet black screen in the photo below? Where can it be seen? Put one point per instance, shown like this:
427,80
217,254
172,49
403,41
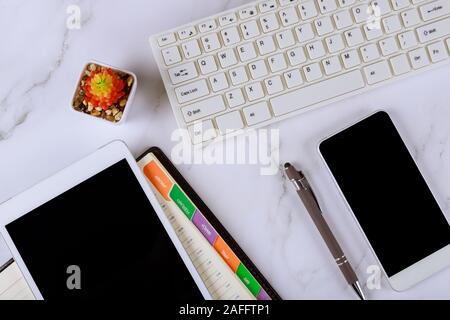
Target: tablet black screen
104,237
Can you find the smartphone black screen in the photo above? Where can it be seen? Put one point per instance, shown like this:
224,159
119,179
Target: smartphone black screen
386,192
107,227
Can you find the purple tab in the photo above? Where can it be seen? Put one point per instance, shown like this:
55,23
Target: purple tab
205,228
263,295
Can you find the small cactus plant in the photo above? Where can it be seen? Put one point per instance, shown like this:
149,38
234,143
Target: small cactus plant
103,88
103,92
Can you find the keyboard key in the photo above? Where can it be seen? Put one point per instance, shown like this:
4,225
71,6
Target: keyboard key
332,65
361,13
269,23
437,51
354,37
351,59
191,49
327,6
246,51
258,69
284,3
238,76
410,18
202,131
307,10
400,4
285,39
335,43
211,42
277,62
296,56
312,72
392,24
254,91
166,39
183,73
323,26
274,85
342,19
207,26
288,16
230,36
250,29
218,82
400,64
266,45
235,98
377,72
434,30
418,58
304,32
247,13
227,58
267,6
315,50
257,113
171,55
293,78
407,40
230,122
388,46
187,33
192,91
207,65
382,5
346,3
203,109
371,32
227,19
369,52
318,92
435,9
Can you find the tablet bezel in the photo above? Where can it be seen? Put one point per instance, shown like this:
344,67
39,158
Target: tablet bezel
70,177
421,269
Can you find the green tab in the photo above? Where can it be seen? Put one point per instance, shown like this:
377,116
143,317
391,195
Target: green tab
249,281
182,202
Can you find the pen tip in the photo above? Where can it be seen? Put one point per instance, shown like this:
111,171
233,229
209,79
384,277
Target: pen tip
357,287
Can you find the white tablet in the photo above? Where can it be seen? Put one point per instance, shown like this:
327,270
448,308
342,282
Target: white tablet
96,230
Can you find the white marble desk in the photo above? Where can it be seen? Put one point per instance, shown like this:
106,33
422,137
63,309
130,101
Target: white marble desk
40,61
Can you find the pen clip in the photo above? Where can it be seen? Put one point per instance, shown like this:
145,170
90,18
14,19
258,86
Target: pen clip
300,182
304,183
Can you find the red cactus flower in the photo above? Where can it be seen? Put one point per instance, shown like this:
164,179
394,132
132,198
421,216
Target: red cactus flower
103,88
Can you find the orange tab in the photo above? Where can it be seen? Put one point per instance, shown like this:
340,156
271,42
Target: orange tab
224,250
158,179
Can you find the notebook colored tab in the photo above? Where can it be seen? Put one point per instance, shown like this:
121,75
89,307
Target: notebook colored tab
227,272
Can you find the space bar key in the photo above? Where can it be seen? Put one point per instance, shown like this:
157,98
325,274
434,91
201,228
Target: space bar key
318,92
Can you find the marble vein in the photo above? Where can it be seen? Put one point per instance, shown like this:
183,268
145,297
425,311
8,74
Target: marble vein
22,115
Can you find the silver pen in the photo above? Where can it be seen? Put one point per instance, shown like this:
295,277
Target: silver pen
308,198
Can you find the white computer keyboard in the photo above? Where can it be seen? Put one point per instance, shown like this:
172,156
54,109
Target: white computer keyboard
270,60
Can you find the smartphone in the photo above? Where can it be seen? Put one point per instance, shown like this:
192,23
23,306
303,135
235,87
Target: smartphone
390,199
